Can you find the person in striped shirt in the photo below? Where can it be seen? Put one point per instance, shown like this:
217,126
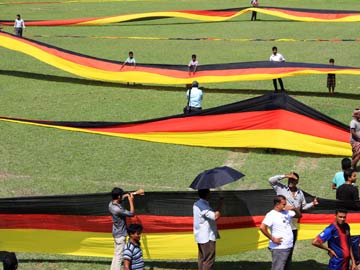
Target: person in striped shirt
132,256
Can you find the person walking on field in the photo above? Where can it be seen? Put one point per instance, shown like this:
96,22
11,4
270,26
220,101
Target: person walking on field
277,57
119,230
205,230
338,238
19,26
276,227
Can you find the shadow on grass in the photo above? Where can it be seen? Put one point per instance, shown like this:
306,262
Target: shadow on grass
63,79
248,265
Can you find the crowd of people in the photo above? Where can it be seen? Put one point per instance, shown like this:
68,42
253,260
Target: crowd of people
280,224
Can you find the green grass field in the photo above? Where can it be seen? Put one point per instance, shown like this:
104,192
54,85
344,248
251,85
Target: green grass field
41,161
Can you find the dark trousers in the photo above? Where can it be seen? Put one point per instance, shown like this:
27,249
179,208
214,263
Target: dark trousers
206,256
281,84
192,110
18,31
253,16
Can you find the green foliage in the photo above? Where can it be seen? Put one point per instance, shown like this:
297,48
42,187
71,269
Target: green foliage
42,161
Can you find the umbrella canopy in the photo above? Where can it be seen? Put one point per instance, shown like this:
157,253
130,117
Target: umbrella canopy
216,177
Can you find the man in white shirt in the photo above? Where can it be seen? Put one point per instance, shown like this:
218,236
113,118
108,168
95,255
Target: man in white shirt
194,97
277,57
294,198
205,230
277,227
19,25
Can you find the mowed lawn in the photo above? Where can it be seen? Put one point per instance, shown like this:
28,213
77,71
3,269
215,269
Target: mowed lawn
43,161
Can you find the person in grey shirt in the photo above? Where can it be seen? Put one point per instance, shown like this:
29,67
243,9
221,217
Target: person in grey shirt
119,230
294,198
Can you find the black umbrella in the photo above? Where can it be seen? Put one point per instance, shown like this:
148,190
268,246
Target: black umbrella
216,177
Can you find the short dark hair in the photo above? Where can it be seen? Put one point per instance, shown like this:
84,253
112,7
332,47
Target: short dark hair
348,173
331,60
194,55
203,193
134,228
10,261
346,164
116,192
131,52
278,199
297,176
195,84
273,48
340,211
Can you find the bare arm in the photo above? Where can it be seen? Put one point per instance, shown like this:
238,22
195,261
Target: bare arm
220,207
317,243
126,265
131,202
265,231
352,258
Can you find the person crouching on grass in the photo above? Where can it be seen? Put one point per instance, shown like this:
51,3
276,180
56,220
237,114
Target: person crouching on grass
132,256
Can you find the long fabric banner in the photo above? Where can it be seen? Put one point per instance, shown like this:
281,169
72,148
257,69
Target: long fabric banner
261,122
81,225
296,14
106,70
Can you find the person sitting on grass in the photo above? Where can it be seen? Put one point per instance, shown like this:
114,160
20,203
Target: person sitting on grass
193,64
133,258
130,60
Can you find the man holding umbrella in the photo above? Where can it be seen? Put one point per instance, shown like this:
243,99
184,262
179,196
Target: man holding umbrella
205,217
205,229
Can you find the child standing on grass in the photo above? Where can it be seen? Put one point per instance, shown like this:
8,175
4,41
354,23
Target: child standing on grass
331,80
132,256
193,64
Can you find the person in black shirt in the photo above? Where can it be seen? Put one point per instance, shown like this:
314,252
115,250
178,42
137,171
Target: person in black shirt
347,191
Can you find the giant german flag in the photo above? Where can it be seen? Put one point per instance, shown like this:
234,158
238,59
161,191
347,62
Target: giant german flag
80,224
296,14
106,70
273,120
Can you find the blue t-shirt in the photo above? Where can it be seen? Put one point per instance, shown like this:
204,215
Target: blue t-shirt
339,179
133,254
339,240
